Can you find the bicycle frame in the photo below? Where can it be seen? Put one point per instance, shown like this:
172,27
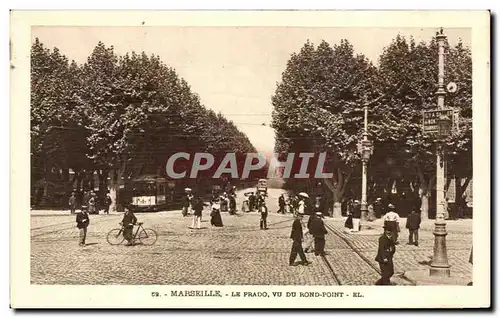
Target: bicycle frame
134,235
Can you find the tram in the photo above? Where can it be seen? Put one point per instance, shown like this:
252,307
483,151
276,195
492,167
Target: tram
262,186
150,193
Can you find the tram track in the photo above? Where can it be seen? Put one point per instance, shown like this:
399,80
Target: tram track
359,254
59,229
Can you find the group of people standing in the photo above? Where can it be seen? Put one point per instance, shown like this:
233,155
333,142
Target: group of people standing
194,203
91,201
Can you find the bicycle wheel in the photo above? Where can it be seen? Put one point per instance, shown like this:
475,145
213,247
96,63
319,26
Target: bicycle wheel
148,236
115,237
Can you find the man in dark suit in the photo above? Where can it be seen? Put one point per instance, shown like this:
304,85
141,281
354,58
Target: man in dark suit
318,230
297,235
128,223
82,222
413,224
385,254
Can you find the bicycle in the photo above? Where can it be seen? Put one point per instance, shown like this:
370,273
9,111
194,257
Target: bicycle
145,235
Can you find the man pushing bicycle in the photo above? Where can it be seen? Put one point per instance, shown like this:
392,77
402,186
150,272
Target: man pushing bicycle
128,223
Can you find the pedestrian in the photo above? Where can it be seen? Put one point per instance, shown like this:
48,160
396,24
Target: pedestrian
86,197
232,203
385,254
391,222
348,222
318,231
128,222
371,213
318,204
413,224
263,216
251,201
107,203
92,204
82,223
72,203
356,216
308,239
378,208
281,204
224,203
198,211
186,202
215,217
301,205
297,236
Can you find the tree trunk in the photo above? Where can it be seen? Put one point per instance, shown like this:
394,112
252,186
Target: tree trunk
337,195
92,180
424,207
114,189
78,179
337,204
103,175
65,174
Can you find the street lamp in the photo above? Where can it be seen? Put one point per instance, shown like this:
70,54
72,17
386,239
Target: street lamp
365,149
439,265
444,124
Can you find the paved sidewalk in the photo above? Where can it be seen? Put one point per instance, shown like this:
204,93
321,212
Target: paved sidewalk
409,257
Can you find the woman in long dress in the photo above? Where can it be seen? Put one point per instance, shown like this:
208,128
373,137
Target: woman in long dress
348,222
215,217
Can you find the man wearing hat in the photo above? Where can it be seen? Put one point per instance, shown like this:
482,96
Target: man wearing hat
82,222
318,231
391,222
297,236
385,254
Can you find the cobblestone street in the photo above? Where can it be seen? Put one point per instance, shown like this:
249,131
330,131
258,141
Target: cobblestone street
238,254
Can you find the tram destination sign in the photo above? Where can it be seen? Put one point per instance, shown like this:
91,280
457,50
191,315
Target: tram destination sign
430,117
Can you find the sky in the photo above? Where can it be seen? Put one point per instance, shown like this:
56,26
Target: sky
234,70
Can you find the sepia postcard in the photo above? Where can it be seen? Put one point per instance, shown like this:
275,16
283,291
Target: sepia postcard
250,159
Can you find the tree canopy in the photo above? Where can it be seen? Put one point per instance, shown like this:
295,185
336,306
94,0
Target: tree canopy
118,114
318,103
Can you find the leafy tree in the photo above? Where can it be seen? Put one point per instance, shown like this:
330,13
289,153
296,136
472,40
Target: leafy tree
399,135
319,90
56,142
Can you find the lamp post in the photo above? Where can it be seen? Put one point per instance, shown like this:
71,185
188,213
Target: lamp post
439,265
365,149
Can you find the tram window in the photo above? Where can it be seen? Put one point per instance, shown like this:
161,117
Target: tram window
144,189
